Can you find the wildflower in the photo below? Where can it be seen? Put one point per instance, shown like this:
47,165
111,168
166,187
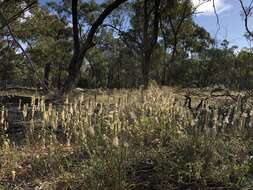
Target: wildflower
71,110
33,111
2,117
25,113
226,120
45,116
208,110
13,175
68,143
42,104
133,116
67,100
126,145
19,105
63,115
244,115
156,119
156,141
81,99
115,142
194,122
33,101
105,138
50,109
91,131
179,132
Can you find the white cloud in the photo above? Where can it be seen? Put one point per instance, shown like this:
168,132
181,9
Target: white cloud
206,6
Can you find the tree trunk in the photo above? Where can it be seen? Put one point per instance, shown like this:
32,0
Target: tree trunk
118,75
149,38
59,84
73,73
80,51
110,77
47,70
146,69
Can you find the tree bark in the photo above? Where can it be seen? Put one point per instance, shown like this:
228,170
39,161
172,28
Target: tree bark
149,40
47,70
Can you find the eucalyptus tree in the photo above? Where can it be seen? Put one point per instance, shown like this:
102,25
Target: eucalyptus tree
12,13
83,44
48,44
151,23
176,22
142,35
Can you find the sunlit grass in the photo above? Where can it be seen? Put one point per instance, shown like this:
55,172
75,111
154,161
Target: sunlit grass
143,139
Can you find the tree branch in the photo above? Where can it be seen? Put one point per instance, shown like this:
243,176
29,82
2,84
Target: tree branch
75,27
247,13
125,37
89,43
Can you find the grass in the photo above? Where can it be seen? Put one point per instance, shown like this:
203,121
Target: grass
128,140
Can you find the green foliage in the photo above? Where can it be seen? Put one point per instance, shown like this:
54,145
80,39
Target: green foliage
185,54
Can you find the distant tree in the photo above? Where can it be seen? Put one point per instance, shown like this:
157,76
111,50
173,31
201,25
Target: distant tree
176,21
142,36
48,44
12,13
243,69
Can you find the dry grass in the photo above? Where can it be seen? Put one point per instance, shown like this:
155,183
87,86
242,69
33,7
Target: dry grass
127,140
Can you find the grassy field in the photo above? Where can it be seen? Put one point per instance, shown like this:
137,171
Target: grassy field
154,139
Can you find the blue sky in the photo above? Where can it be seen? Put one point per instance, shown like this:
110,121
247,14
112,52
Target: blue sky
231,23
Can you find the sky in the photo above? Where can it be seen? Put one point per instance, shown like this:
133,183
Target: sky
231,22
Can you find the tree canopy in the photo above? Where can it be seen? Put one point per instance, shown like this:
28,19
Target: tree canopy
115,44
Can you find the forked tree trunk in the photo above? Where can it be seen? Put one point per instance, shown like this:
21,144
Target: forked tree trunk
80,51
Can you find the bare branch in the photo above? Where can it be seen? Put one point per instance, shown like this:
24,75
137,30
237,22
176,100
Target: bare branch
217,19
99,22
247,12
